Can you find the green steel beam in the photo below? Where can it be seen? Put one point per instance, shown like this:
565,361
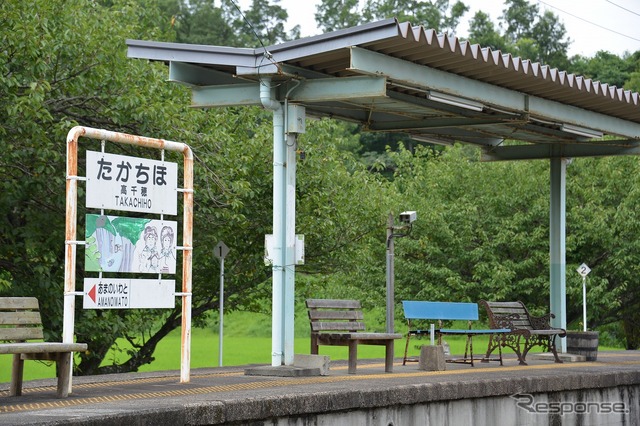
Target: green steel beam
340,89
427,78
538,152
279,69
409,74
436,123
194,75
226,96
320,90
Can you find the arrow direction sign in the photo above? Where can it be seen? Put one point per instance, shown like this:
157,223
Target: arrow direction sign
122,293
92,293
221,250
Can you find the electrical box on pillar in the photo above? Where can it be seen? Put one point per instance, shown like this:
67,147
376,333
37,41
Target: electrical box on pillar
295,119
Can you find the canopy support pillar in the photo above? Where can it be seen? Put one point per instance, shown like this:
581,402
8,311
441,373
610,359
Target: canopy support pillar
284,229
557,246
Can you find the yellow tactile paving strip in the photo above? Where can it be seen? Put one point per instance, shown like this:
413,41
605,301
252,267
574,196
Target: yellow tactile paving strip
260,384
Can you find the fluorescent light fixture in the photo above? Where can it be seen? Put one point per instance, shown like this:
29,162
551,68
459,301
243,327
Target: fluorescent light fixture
433,140
581,131
454,101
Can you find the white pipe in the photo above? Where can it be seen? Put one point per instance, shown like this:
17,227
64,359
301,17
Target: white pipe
267,97
290,250
584,303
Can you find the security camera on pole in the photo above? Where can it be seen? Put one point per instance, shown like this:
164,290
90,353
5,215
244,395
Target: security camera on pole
407,218
584,270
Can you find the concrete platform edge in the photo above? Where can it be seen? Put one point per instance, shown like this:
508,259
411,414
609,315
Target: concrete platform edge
312,403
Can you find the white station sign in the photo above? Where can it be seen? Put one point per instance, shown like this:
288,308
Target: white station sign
122,293
119,182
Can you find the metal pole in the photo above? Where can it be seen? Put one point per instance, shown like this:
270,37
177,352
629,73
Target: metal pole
71,224
557,246
220,335
584,303
390,275
187,260
289,251
267,97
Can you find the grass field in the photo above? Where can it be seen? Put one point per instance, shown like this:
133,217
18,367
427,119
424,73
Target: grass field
246,341
236,351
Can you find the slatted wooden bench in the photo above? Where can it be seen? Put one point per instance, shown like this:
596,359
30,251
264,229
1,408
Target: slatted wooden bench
527,330
20,321
341,323
447,311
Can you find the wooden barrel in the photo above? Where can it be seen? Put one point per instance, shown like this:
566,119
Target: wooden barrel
583,343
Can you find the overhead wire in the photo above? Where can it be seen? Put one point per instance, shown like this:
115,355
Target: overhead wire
588,22
267,55
623,8
255,33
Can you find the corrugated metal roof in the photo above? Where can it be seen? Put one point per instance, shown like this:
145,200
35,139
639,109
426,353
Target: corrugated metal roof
518,99
426,47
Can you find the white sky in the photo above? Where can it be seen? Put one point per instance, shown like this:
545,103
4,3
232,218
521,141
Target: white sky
592,25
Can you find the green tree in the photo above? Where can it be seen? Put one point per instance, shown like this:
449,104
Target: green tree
549,34
55,73
482,230
633,82
605,67
332,15
528,35
440,15
48,84
477,243
482,31
483,233
204,22
602,228
519,17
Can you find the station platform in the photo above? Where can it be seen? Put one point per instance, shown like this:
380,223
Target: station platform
226,395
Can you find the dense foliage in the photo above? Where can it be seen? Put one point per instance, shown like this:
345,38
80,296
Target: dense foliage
482,228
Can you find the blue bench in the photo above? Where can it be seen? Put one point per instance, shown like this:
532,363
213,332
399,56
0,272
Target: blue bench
447,311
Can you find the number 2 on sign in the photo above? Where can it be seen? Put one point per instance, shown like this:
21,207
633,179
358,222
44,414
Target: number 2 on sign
583,270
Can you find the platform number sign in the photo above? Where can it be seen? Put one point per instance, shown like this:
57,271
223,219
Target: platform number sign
221,250
583,270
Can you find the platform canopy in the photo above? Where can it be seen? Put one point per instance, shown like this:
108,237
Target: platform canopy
394,77
390,76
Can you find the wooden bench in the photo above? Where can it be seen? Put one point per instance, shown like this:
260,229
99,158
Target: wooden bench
446,311
20,321
527,331
341,323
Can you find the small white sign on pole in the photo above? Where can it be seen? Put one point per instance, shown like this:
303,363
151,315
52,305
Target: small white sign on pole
123,293
584,270
119,182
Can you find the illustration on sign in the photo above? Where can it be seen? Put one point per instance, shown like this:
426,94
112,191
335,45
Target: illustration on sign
118,182
125,244
122,293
